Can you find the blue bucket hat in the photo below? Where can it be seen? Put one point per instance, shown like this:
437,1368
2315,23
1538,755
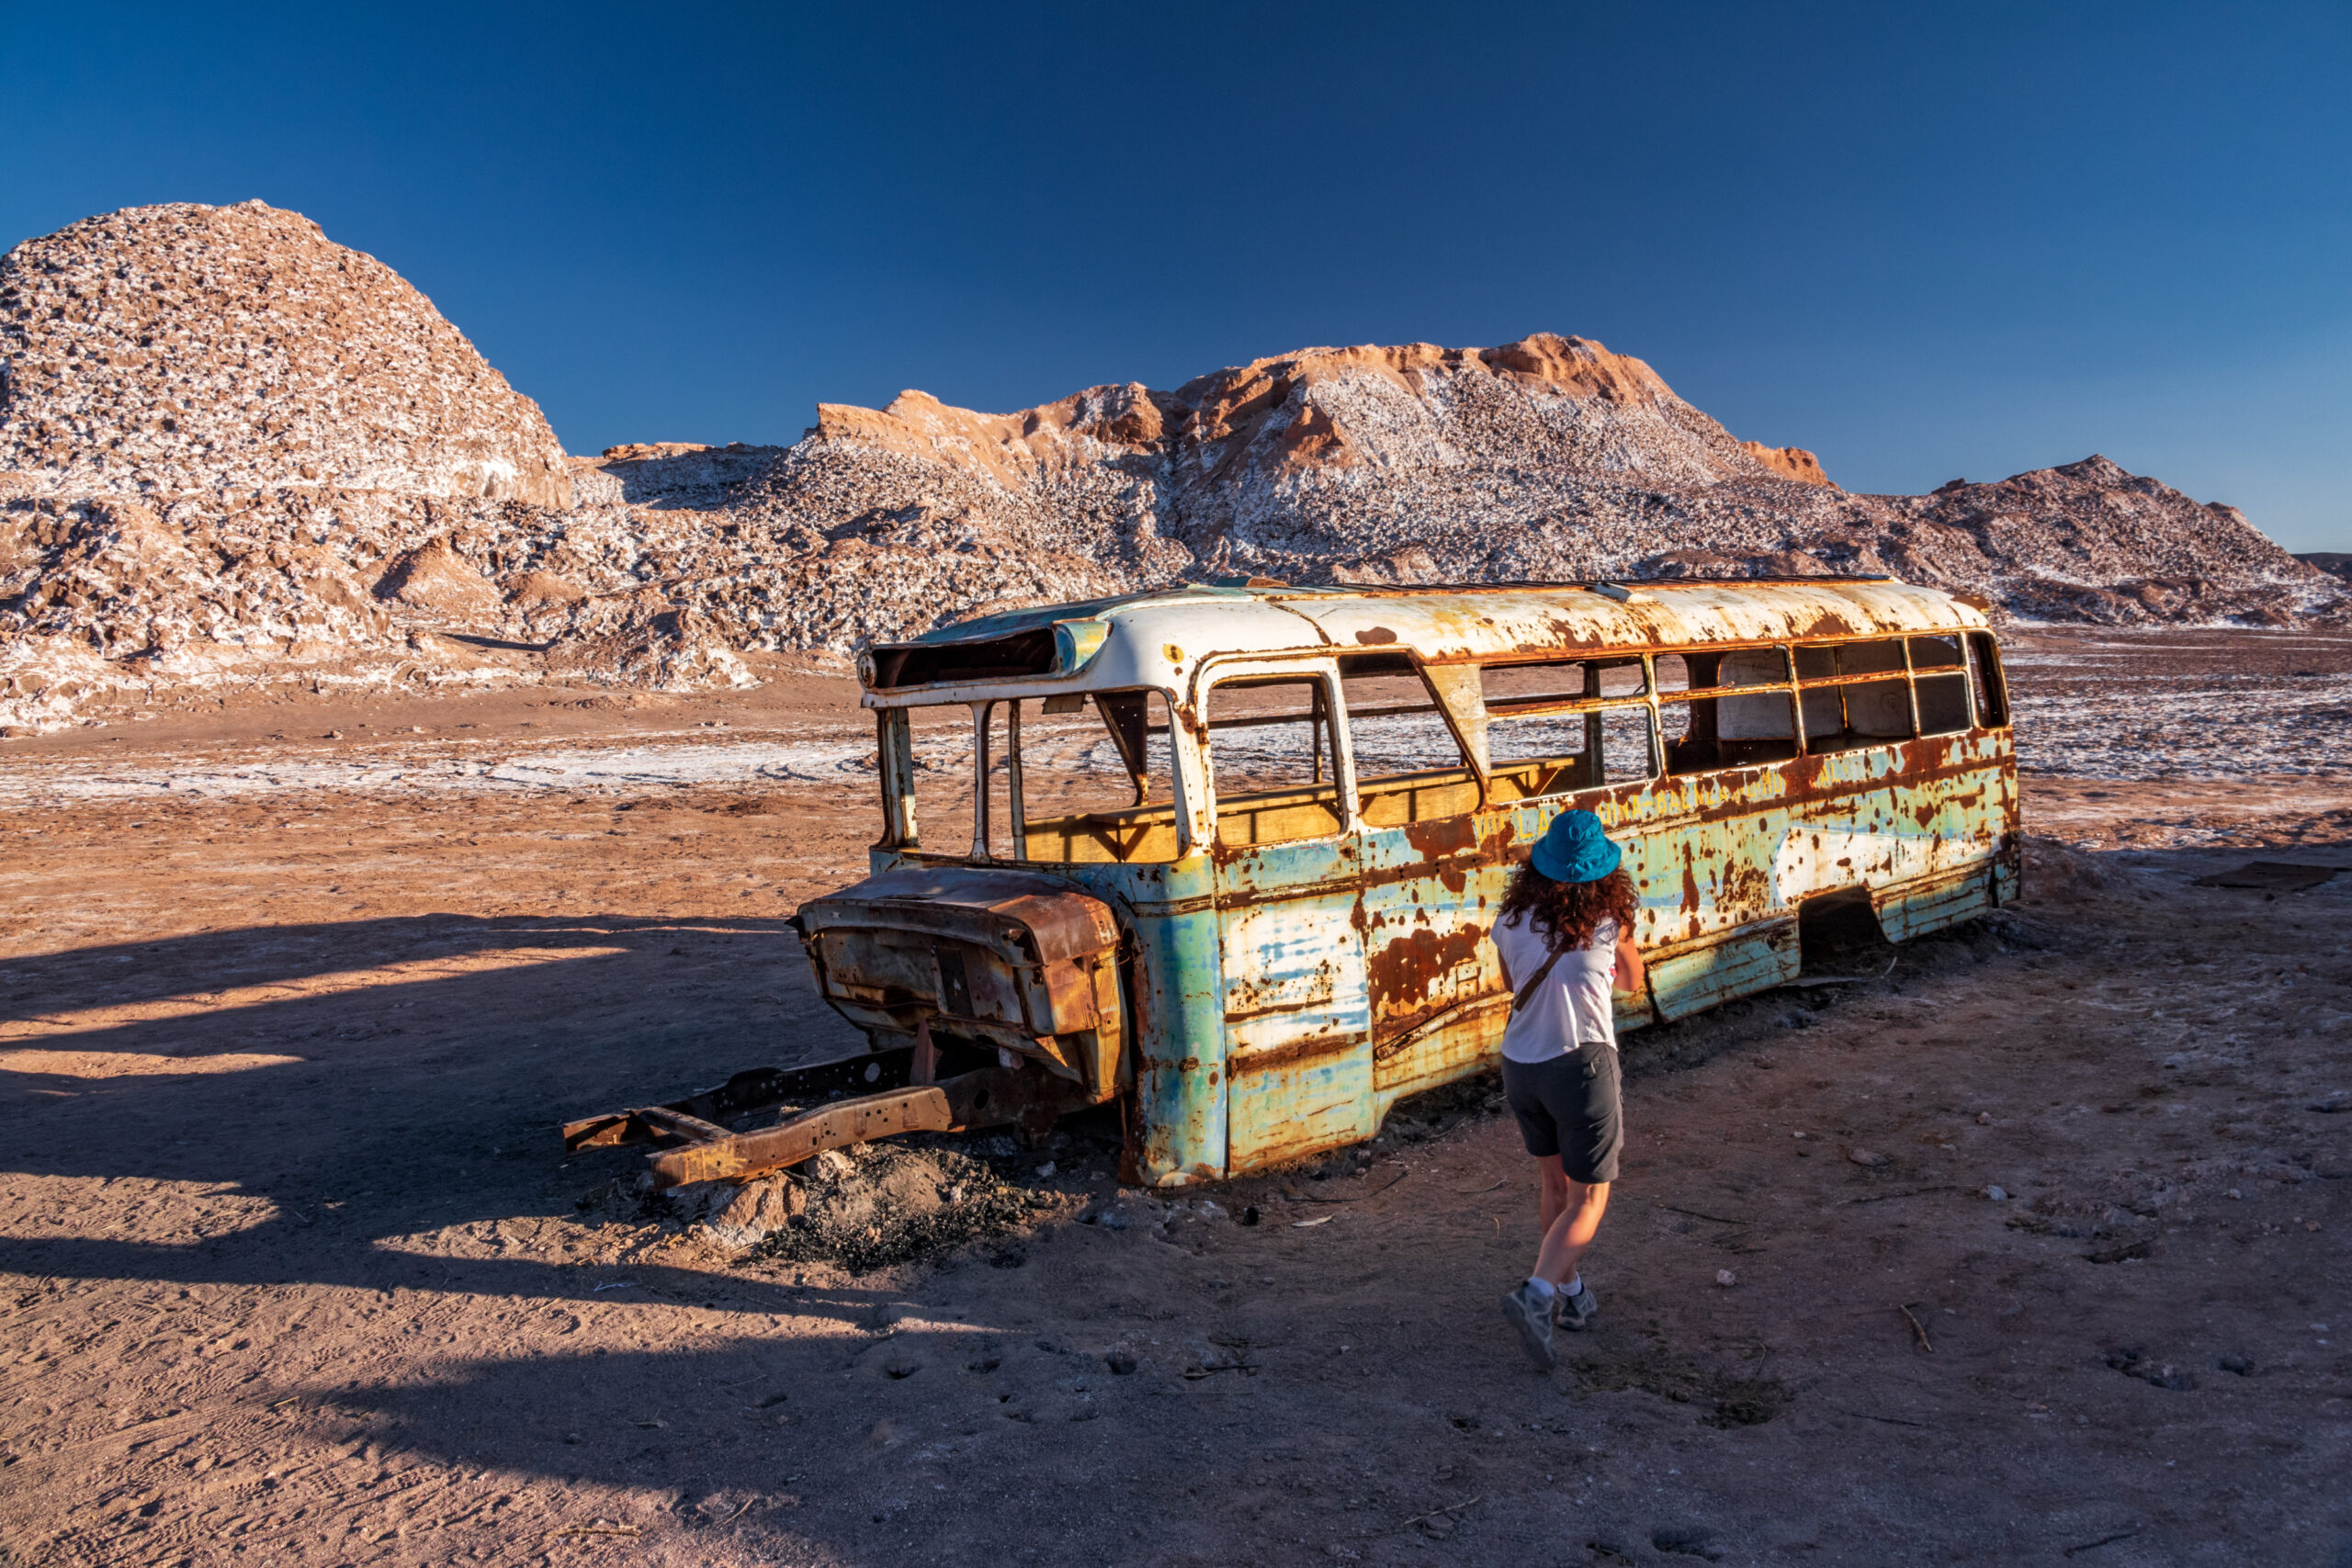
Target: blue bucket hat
1574,849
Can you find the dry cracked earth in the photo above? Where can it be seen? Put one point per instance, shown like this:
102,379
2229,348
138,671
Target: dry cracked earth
292,1270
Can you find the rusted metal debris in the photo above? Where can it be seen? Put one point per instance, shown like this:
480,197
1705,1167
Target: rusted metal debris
690,1148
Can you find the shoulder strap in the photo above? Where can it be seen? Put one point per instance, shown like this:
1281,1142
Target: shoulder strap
1519,998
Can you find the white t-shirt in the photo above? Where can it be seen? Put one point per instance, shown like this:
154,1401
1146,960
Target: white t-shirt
1572,1005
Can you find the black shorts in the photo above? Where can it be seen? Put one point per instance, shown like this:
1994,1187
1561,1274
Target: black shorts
1567,1107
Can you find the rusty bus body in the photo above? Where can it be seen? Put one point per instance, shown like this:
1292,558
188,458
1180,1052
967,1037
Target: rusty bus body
1258,966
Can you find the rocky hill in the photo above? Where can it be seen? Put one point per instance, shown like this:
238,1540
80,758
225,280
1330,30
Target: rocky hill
234,453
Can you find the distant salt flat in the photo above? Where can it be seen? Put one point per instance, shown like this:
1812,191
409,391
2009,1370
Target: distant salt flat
2098,711
838,756
636,764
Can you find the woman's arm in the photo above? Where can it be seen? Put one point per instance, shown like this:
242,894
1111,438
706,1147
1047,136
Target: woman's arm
1631,972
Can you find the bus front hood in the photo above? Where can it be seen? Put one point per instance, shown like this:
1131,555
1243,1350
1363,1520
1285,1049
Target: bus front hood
1010,959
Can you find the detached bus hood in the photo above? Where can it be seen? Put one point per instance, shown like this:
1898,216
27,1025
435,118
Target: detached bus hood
1007,958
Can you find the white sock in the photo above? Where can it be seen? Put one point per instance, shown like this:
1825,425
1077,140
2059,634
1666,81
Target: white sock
1575,1285
1542,1287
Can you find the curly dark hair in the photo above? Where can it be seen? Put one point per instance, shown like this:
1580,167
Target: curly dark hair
1571,911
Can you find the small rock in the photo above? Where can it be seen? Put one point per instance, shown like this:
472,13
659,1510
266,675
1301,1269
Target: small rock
1044,1170
1726,1277
1120,1363
1998,1194
1984,1119
831,1165
757,1211
1689,1540
332,735
1866,1157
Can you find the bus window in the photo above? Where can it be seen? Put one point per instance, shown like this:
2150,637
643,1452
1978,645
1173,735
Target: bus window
1096,778
1565,726
1992,691
1698,732
1063,776
942,745
1409,766
1843,713
1270,750
1940,677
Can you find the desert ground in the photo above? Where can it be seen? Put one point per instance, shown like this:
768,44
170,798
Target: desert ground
293,1269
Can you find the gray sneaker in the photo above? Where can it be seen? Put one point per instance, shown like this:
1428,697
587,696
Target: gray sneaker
1575,1312
1533,1318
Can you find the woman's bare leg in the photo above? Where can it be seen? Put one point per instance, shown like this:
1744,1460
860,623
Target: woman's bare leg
1550,1190
1570,1226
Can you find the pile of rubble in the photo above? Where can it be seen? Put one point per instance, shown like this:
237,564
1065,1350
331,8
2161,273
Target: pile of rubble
234,453
867,1206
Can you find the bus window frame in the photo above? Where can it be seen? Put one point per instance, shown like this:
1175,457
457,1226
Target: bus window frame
1787,687
901,822
1987,680
1256,670
1640,656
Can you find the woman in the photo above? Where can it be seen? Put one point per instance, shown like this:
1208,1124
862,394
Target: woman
1564,934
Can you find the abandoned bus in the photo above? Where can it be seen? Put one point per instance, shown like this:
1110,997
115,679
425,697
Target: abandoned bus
1229,854
1232,852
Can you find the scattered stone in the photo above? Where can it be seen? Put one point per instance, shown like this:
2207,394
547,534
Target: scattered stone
1687,1540
1997,1194
756,1211
1725,1277
2133,1362
1866,1157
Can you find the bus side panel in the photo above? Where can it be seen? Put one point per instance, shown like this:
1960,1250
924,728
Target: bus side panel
1970,823
1931,903
1703,865
1431,889
1179,1032
1297,1015
1469,1042
1924,848
1756,957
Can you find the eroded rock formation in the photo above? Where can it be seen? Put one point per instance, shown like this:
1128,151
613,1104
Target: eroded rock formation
233,452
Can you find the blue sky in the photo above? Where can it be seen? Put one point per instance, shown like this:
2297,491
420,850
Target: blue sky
1926,242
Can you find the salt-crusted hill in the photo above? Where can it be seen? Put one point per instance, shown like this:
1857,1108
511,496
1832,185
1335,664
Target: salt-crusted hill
234,452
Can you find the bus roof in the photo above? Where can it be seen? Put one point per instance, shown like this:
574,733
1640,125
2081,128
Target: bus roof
1160,639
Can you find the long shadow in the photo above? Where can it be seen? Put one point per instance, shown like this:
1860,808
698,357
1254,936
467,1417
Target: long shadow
991,1443
382,1108
127,974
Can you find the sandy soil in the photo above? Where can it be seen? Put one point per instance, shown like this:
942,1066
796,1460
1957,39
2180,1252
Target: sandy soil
292,1272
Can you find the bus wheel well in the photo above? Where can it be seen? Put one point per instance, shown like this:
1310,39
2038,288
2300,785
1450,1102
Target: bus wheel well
1838,933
